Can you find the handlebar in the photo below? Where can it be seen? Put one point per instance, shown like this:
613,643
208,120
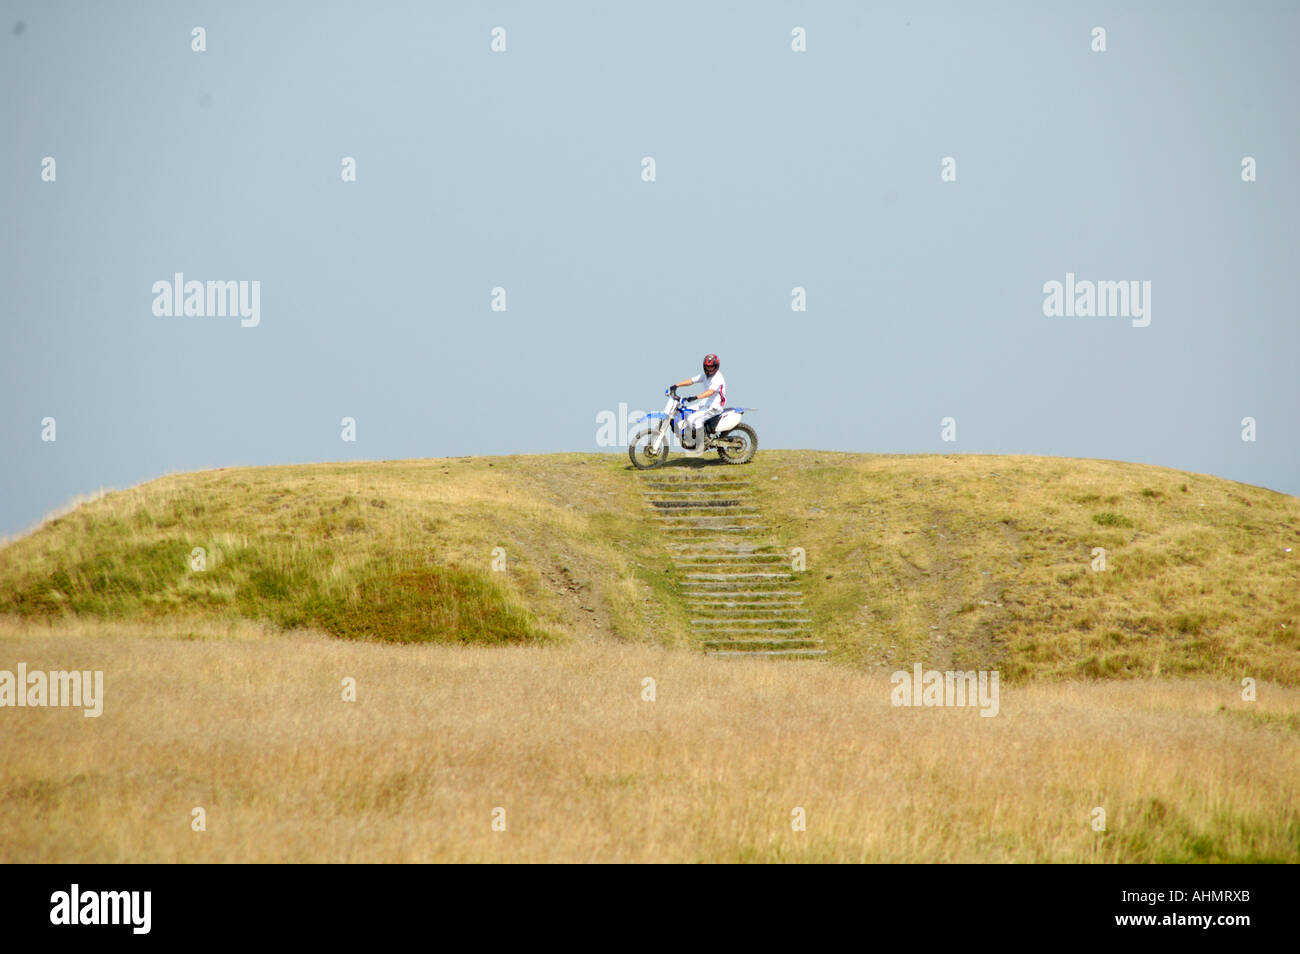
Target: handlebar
672,391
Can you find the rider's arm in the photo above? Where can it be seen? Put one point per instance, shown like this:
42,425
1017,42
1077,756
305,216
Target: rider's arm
695,397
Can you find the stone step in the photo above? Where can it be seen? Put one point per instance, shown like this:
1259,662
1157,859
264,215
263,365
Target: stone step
752,622
692,553
693,496
709,589
694,481
737,529
746,608
717,493
741,582
766,652
695,569
755,624
767,595
692,572
706,520
704,591
722,523
706,554
730,622
706,550
753,613
736,513
728,505
707,493
749,606
758,631
741,512
670,493
721,566
672,497
731,564
733,616
762,549
722,501
760,614
706,577
727,624
755,643
756,609
730,555
741,576
721,618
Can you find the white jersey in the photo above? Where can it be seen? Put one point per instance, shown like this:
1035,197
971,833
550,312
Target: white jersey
718,399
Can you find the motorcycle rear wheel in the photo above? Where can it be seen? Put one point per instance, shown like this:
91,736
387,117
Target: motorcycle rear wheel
744,436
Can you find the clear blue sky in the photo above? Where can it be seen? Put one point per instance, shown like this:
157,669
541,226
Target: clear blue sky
522,169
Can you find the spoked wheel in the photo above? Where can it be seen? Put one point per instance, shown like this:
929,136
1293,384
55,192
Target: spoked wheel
641,450
739,445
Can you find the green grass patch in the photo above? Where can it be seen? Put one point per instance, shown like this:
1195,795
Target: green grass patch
1108,519
424,604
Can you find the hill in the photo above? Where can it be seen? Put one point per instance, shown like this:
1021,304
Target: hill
963,562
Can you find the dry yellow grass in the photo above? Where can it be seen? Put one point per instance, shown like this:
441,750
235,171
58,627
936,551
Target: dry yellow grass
250,724
951,562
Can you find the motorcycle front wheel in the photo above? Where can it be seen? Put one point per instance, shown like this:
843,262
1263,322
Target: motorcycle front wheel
740,444
640,451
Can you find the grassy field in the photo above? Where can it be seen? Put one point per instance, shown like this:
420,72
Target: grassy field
250,725
499,616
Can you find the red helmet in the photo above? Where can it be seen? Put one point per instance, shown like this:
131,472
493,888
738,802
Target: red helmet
711,365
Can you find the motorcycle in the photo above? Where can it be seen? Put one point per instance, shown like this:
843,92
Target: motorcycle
735,442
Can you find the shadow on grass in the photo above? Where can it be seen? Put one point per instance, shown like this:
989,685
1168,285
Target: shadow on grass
678,463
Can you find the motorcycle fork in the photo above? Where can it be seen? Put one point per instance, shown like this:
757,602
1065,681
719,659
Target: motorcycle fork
664,429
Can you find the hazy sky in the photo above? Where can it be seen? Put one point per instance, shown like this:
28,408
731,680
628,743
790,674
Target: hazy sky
523,169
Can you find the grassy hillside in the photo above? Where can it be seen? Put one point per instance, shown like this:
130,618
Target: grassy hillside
980,561
399,551
951,561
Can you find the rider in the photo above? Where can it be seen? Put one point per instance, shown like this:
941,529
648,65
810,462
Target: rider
715,394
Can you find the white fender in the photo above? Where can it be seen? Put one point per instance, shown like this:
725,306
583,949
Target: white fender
728,420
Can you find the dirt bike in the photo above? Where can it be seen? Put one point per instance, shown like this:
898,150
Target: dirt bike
736,443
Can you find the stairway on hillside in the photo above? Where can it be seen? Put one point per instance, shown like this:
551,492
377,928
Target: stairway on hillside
744,597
